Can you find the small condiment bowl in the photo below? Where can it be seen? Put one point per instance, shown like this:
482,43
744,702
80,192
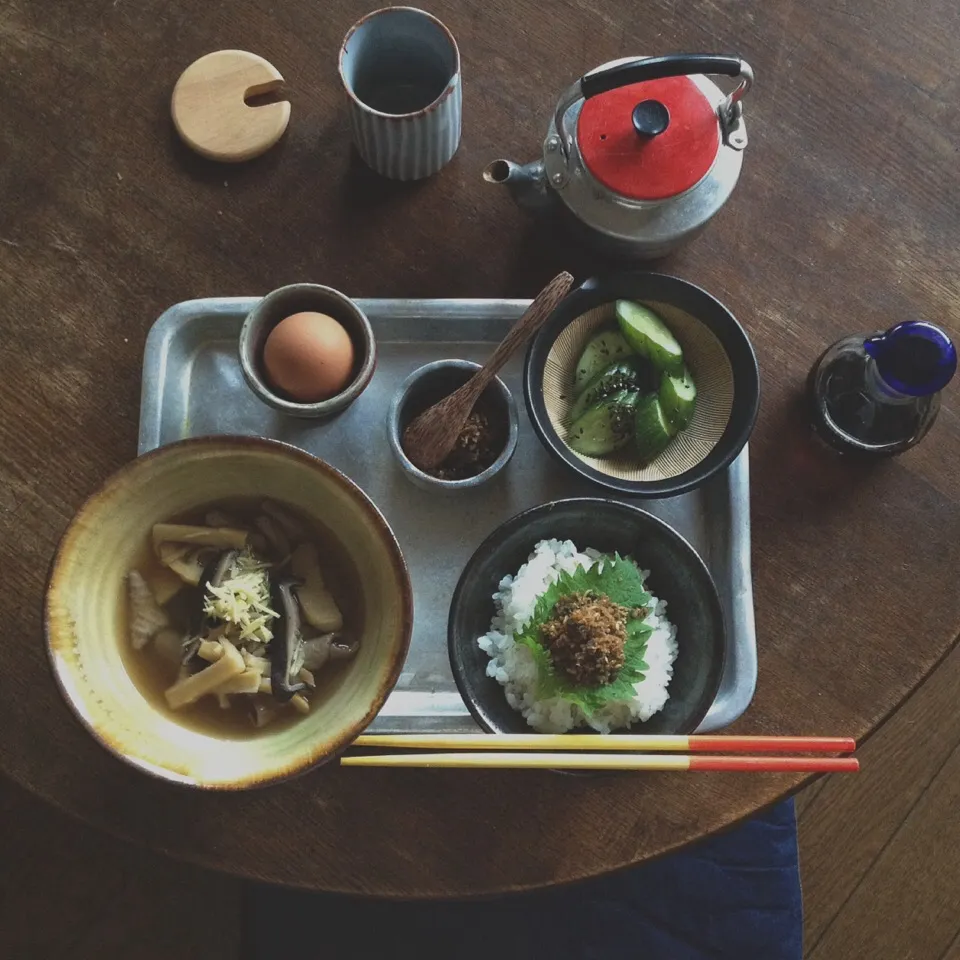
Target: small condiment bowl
429,384
282,303
85,623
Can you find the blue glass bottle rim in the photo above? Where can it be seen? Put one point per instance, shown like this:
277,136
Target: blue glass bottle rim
941,366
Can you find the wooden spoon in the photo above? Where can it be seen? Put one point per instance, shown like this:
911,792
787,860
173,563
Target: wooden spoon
431,436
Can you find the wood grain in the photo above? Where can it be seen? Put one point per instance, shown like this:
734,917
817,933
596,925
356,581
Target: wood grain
953,951
842,220
806,797
852,831
915,920
69,892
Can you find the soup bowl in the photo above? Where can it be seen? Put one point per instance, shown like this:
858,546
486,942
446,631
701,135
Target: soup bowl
86,624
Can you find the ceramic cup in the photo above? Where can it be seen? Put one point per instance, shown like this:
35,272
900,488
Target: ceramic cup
400,68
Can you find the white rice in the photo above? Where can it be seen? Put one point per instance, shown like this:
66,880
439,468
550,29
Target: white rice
512,664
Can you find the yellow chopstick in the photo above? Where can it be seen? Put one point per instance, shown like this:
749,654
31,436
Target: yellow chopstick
592,761
620,742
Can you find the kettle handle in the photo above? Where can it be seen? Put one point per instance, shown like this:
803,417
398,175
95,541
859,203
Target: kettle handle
622,73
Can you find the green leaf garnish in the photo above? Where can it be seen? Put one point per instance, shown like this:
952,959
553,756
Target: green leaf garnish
619,580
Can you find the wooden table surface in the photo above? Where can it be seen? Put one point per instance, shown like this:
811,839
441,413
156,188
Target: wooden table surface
845,219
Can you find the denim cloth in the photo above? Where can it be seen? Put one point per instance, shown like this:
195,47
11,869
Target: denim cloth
735,895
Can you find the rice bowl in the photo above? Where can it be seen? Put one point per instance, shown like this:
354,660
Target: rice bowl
514,666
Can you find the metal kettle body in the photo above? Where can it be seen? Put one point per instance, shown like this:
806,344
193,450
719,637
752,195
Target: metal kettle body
614,224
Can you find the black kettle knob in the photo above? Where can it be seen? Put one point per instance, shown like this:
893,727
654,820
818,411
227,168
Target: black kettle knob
650,118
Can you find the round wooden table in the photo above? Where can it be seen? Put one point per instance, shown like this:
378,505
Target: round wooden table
845,219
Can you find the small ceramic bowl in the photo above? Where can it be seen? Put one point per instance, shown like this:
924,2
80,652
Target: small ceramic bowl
677,575
84,614
716,349
428,385
284,302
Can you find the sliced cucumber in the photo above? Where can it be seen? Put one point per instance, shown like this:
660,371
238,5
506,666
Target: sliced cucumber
678,397
601,350
653,431
605,427
628,373
649,336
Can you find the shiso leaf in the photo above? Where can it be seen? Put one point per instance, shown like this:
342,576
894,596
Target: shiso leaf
619,580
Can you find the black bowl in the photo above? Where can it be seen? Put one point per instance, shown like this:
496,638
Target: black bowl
677,575
706,316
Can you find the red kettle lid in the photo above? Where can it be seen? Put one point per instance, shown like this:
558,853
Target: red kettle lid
649,140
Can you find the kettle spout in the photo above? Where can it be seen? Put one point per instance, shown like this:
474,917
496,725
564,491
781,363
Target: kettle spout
527,184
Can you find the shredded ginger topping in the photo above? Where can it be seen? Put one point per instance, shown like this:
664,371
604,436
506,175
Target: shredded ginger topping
243,599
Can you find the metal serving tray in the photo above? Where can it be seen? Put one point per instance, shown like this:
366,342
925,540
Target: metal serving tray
192,386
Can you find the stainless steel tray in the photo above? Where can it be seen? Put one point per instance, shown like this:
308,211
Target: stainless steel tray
192,386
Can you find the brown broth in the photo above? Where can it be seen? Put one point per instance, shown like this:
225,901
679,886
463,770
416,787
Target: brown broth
152,674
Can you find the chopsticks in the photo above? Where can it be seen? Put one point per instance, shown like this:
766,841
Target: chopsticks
619,742
606,761
488,751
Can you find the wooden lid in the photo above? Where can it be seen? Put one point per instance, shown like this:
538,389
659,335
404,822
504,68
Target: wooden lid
210,111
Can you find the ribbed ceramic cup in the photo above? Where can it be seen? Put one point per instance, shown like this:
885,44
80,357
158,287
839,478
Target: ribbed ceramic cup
400,68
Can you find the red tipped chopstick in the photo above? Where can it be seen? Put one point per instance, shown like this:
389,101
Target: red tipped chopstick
618,742
777,764
606,761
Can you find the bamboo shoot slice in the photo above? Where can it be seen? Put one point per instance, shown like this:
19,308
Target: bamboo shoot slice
164,583
183,561
319,608
197,685
300,703
226,538
246,682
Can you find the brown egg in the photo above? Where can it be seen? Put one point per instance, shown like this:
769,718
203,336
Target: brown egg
309,357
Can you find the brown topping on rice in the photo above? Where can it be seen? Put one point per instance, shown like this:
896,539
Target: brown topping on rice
585,636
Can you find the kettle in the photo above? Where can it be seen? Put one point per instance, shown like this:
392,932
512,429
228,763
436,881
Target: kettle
640,153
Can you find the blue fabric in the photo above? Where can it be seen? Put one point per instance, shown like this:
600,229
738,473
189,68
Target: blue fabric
736,895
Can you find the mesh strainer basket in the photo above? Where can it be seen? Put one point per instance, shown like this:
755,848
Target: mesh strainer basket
716,350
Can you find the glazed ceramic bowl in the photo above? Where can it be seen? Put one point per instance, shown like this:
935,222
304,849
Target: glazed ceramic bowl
284,302
716,349
428,385
677,575
86,599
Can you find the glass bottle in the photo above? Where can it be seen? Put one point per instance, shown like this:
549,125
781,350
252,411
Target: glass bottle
879,394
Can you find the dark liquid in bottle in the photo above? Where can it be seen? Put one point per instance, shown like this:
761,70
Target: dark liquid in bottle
843,408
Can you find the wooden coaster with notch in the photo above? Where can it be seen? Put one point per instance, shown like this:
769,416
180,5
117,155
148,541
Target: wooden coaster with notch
210,110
